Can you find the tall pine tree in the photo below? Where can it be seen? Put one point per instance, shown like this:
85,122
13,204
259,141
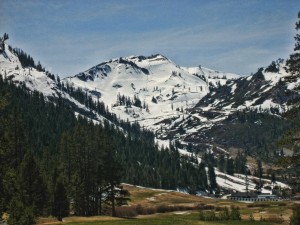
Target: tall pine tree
293,63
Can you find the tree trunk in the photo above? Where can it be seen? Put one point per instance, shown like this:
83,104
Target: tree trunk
113,209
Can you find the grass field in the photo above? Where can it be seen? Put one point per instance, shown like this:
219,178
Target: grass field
270,212
165,219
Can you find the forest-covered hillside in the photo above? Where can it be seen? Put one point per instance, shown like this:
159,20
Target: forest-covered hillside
52,159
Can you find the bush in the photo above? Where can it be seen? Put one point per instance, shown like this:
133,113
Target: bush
20,214
146,210
164,209
139,209
126,211
224,214
274,219
211,215
281,204
205,207
257,205
235,213
219,208
295,218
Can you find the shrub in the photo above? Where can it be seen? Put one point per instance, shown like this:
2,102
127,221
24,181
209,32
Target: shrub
219,208
202,206
235,213
281,204
147,210
257,205
295,218
127,211
139,209
164,208
201,216
20,214
210,216
274,219
224,214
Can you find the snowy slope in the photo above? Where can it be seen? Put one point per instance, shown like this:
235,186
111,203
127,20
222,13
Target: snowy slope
177,103
187,101
11,68
264,90
238,183
174,88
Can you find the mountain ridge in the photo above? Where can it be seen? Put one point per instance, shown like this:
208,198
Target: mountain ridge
174,102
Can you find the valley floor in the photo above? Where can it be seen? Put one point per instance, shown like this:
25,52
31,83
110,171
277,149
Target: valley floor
157,219
264,213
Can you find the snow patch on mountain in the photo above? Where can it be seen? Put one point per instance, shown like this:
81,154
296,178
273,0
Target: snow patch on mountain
34,80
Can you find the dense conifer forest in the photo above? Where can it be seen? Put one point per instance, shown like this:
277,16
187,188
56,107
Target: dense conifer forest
54,163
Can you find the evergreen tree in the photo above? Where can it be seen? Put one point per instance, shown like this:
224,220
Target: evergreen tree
20,214
113,175
122,197
221,163
259,172
230,166
32,187
61,203
212,177
5,37
293,63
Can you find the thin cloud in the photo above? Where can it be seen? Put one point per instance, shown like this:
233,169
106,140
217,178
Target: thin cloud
71,36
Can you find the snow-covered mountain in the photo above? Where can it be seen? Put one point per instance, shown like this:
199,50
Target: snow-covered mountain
173,101
270,87
177,103
180,102
165,90
11,69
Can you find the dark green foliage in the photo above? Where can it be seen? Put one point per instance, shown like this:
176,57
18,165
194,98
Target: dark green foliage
293,63
32,187
254,131
295,218
230,166
5,37
137,102
221,163
290,140
61,202
272,68
212,177
39,67
224,214
25,59
240,163
235,213
154,100
90,159
20,214
2,41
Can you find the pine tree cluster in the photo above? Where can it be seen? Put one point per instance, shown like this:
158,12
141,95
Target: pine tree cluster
74,164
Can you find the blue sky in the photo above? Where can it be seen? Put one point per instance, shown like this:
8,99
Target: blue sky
70,36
